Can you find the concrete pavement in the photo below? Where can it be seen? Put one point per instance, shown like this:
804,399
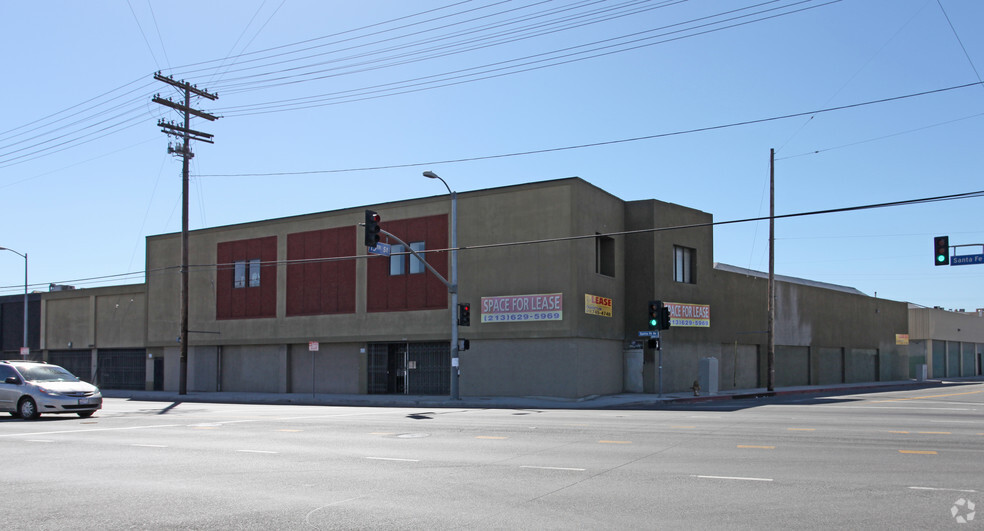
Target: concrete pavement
617,401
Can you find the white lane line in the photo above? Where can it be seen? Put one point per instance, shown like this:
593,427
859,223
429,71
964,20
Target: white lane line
553,468
734,478
149,445
257,452
393,459
942,489
90,430
41,440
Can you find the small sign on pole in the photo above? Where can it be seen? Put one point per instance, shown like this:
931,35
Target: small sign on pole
313,346
382,249
25,351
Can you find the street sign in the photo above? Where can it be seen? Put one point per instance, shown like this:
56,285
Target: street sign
967,259
382,249
313,346
648,333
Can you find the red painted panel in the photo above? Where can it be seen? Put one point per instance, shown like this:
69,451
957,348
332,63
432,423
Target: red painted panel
422,291
248,302
321,287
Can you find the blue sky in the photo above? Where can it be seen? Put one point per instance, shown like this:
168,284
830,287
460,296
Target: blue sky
85,175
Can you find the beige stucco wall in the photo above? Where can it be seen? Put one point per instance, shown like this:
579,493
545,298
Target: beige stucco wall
110,317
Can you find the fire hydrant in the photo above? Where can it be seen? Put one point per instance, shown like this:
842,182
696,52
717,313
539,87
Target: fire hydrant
696,388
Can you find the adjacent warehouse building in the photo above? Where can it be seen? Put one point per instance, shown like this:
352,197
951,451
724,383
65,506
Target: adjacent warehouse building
558,275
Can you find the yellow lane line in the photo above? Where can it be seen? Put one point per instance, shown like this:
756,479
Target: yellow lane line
920,452
930,396
936,433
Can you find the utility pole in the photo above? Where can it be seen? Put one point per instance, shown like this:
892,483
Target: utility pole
186,135
771,355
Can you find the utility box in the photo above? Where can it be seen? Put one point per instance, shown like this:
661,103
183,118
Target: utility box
708,375
632,379
921,372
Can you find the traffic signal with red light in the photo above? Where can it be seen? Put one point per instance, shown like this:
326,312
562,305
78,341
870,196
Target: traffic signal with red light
372,228
942,246
464,314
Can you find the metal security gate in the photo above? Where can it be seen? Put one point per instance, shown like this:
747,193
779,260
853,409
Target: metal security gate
409,368
121,369
77,362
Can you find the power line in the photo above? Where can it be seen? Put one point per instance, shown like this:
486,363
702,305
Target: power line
607,142
870,206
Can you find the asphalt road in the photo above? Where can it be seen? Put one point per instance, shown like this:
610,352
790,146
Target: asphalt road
889,460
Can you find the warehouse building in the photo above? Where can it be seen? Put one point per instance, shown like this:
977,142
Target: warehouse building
558,275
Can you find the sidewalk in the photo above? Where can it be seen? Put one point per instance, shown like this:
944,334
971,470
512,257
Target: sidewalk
618,401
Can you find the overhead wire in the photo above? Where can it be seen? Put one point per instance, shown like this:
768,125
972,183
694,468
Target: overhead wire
611,142
648,230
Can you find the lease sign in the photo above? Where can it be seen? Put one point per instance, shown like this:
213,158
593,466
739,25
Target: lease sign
519,308
595,305
695,315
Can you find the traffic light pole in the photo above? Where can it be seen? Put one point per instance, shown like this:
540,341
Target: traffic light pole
452,286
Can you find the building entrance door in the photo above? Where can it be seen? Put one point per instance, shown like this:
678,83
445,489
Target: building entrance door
409,368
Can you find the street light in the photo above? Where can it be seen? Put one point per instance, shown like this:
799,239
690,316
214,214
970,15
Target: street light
453,289
24,256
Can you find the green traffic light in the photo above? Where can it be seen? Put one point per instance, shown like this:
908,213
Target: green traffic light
652,322
940,258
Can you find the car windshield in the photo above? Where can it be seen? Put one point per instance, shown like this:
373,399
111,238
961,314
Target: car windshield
46,373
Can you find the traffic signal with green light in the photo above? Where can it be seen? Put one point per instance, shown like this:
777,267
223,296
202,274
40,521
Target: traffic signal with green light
654,311
942,246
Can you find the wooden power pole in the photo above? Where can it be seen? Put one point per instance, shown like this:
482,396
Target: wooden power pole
771,355
184,133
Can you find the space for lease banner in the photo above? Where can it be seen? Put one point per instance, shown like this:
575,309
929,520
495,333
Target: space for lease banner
696,315
519,308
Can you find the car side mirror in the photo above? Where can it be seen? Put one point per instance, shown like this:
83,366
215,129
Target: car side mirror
13,380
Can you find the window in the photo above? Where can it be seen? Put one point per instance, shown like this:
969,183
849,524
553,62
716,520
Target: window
254,273
247,273
605,255
684,265
240,274
416,266
397,260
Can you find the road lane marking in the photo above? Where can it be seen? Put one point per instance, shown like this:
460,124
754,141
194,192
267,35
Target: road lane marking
393,459
736,478
936,433
615,442
257,452
490,437
942,489
919,452
90,430
898,432
149,445
801,429
756,447
684,427
41,440
553,468
930,396
291,431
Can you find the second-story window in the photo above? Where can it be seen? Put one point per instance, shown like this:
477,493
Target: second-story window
684,265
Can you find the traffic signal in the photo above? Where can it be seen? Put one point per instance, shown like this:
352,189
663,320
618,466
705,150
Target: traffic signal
464,314
664,318
372,228
654,310
942,246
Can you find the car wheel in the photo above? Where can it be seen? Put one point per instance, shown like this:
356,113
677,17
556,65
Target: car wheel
85,414
27,409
